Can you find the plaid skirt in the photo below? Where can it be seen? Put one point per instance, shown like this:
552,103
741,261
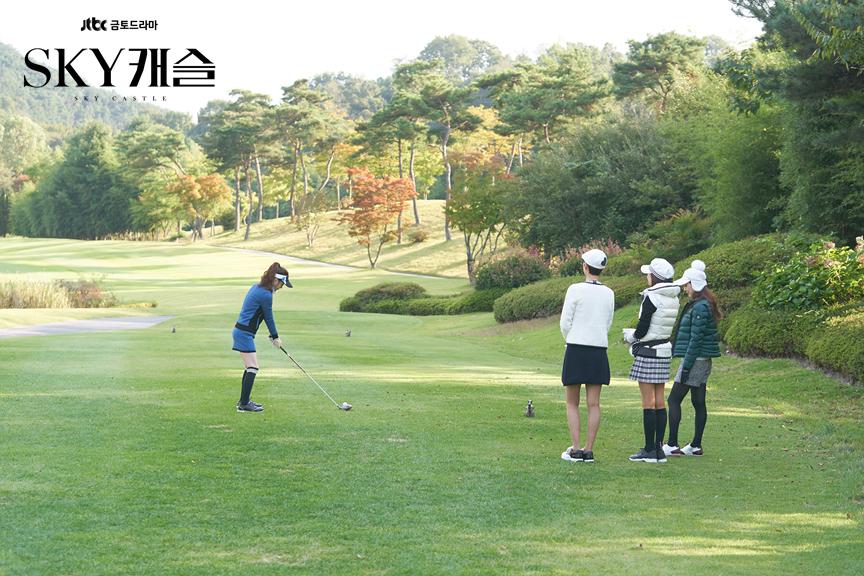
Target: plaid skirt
650,370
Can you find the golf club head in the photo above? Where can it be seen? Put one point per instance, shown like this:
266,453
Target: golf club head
345,406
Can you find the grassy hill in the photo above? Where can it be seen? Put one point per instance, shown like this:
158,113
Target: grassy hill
434,256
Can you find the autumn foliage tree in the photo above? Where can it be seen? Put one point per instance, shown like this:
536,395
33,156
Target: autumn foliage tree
376,203
200,197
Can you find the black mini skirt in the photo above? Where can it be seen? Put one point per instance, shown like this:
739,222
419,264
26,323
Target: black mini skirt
585,365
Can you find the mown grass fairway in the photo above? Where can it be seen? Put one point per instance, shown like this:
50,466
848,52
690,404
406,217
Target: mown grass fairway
122,452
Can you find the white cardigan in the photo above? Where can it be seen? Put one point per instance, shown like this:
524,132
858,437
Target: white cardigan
587,314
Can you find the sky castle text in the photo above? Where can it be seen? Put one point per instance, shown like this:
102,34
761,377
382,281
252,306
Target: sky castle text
192,70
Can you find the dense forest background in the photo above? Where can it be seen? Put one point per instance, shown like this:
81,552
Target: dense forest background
678,137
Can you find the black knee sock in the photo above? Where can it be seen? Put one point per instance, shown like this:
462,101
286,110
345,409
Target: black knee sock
248,381
649,422
698,399
676,395
661,426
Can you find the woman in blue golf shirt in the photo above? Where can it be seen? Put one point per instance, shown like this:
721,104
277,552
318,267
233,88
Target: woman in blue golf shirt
257,308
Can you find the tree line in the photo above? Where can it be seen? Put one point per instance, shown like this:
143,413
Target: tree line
576,145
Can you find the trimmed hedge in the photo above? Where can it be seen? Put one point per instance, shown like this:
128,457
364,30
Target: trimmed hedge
511,272
391,291
835,343
839,345
375,300
740,263
731,299
753,330
387,291
546,298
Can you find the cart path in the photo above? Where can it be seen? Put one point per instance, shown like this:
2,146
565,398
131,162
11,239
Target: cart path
79,326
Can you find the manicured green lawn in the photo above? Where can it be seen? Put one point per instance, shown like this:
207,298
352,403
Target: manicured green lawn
122,452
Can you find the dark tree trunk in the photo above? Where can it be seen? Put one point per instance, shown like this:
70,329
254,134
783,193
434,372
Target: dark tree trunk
292,201
237,198
401,175
448,172
413,184
248,199
260,208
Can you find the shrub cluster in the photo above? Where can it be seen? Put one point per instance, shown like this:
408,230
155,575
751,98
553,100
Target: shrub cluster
418,234
839,345
511,272
835,341
629,261
88,294
411,299
821,277
385,291
742,262
753,330
546,298
674,238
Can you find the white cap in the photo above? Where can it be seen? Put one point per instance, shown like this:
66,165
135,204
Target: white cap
595,258
661,268
695,276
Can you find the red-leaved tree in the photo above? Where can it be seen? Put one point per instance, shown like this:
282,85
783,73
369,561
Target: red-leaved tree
376,203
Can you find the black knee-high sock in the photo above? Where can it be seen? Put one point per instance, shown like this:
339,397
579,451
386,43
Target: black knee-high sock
661,425
676,395
649,422
248,381
698,400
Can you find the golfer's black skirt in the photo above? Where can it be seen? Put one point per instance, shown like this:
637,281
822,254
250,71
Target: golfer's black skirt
585,365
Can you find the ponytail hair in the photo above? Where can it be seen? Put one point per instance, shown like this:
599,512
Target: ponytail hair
712,300
270,275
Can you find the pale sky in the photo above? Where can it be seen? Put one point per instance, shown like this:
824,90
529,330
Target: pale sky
269,44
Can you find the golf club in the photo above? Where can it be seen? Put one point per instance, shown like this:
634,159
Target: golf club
344,406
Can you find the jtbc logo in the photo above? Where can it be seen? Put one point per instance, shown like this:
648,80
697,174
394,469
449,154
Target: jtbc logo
94,24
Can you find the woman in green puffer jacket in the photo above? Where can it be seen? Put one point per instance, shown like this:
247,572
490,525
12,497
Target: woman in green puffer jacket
695,341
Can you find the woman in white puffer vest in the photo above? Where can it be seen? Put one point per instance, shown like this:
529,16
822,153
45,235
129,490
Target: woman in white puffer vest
652,354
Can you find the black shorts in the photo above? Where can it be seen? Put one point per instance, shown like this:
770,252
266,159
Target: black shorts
585,365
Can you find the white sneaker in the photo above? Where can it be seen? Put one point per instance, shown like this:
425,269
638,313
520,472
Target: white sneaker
573,455
672,450
692,450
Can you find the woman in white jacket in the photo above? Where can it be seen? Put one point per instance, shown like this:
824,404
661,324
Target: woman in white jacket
585,322
652,354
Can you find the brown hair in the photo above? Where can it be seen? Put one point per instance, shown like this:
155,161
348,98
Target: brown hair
270,275
712,300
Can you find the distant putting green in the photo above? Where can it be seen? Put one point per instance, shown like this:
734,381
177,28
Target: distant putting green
122,452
